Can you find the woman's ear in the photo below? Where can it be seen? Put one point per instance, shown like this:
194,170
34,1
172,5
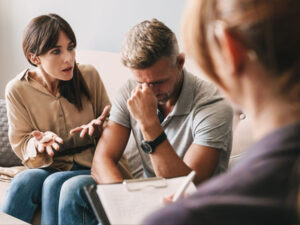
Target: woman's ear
235,51
34,59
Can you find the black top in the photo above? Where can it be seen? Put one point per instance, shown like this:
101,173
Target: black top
261,189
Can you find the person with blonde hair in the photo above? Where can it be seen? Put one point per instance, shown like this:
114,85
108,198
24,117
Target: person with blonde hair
251,50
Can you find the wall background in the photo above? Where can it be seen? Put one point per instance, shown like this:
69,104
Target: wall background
98,24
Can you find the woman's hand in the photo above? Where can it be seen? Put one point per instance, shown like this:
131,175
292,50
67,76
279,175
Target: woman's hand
168,199
46,140
94,127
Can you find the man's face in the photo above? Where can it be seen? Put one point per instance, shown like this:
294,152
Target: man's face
163,78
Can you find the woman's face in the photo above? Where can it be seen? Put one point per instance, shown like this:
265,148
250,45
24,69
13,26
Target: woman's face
58,62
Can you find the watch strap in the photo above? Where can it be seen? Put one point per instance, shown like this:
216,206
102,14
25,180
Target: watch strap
157,140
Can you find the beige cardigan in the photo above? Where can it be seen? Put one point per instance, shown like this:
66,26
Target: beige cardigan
31,107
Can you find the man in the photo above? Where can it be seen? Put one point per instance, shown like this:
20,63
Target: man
186,122
180,122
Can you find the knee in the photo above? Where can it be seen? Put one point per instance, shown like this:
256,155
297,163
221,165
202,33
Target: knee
19,182
27,181
50,181
26,185
72,189
52,184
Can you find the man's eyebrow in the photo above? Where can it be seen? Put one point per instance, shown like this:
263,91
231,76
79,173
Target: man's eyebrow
158,81
154,82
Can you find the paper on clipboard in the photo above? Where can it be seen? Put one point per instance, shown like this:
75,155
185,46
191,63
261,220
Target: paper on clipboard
123,206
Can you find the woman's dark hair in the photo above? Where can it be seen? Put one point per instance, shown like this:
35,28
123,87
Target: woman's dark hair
41,35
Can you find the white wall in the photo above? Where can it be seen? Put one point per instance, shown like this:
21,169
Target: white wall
98,24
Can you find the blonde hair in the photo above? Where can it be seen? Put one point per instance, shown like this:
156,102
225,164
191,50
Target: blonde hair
270,28
146,43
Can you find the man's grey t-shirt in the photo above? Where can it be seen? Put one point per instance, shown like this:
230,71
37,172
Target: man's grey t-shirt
200,116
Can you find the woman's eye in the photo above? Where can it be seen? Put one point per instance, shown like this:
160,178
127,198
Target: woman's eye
70,48
56,51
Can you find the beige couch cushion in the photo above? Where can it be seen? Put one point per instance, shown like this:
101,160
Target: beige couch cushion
109,66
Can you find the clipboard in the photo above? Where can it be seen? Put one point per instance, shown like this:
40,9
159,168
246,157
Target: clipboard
139,184
90,192
131,201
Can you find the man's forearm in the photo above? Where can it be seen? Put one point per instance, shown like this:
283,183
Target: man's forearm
108,152
167,163
106,171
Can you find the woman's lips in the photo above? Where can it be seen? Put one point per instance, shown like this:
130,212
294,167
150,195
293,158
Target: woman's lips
68,69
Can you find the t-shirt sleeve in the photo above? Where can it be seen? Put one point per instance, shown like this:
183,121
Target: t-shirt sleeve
212,125
119,112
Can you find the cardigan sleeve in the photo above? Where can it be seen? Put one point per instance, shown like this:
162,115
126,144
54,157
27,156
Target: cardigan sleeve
20,130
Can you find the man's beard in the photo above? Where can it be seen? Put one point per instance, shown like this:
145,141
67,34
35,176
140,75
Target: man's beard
162,98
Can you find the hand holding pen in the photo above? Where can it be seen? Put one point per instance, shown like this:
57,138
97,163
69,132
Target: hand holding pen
180,191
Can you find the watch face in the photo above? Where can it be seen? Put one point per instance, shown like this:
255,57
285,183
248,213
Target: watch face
146,147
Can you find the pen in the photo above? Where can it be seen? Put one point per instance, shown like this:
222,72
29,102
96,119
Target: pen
184,186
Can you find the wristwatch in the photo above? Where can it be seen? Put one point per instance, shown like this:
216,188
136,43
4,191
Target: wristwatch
149,146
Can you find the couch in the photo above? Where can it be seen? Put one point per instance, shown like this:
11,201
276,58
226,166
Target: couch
114,74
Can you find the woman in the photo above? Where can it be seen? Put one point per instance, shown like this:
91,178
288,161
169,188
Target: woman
250,49
44,104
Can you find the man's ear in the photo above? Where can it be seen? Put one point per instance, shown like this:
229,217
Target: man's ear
34,59
180,61
235,52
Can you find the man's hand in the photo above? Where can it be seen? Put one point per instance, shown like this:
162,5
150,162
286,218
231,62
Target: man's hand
143,104
95,127
46,140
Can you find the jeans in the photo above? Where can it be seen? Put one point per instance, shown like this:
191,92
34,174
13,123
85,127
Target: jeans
73,206
34,187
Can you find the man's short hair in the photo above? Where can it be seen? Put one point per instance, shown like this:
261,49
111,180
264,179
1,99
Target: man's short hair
146,43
